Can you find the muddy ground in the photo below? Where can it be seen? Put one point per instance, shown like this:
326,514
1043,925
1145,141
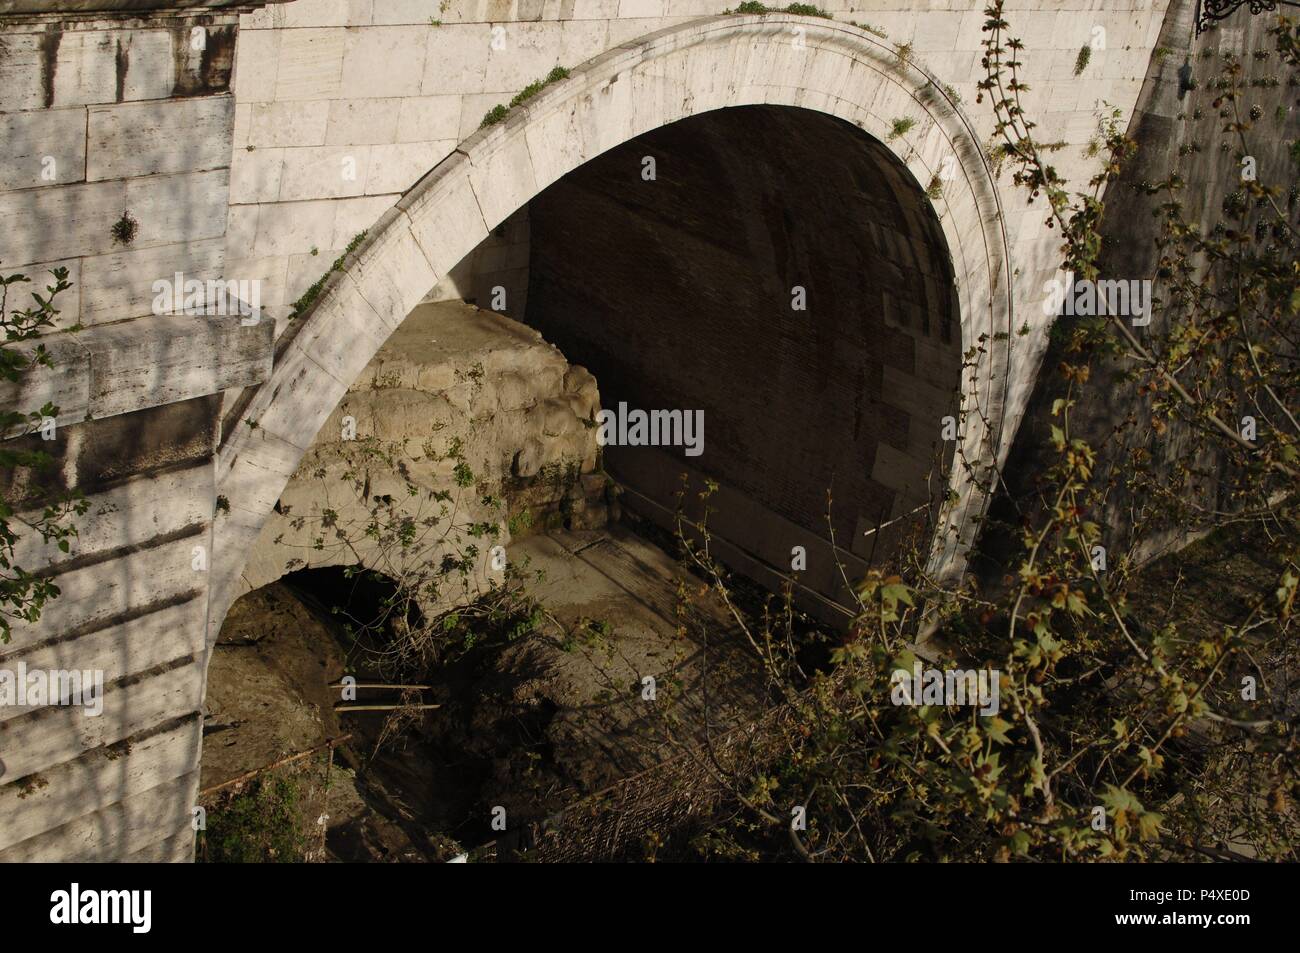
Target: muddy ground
528,726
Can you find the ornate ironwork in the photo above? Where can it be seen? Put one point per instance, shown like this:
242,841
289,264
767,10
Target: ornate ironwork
1211,11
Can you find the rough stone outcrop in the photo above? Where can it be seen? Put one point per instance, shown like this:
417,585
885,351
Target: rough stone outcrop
452,376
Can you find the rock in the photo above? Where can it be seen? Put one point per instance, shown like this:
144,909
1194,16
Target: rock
583,392
528,459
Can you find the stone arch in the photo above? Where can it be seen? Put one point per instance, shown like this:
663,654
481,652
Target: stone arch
681,71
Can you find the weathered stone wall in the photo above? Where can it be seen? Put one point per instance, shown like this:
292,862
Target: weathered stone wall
390,87
101,117
495,274
343,103
116,100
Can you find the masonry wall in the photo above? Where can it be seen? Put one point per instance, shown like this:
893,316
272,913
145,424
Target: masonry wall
107,120
385,90
100,118
135,119
374,88
679,293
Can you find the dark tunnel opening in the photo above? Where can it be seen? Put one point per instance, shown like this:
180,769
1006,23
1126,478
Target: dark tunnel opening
782,272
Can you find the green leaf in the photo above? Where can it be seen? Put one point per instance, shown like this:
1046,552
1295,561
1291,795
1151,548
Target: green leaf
997,728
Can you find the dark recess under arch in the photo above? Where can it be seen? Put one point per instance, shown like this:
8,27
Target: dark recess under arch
676,293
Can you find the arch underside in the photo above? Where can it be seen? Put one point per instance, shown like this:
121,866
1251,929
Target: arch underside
782,279
630,90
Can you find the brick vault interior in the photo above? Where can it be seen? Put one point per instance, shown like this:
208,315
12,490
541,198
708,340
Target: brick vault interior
681,291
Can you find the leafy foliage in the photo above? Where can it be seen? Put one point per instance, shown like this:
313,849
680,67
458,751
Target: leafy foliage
24,593
263,824
1126,730
423,550
124,229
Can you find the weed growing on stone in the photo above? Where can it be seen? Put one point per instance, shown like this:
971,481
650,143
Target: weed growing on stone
900,127
308,298
1081,60
125,229
497,113
794,9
